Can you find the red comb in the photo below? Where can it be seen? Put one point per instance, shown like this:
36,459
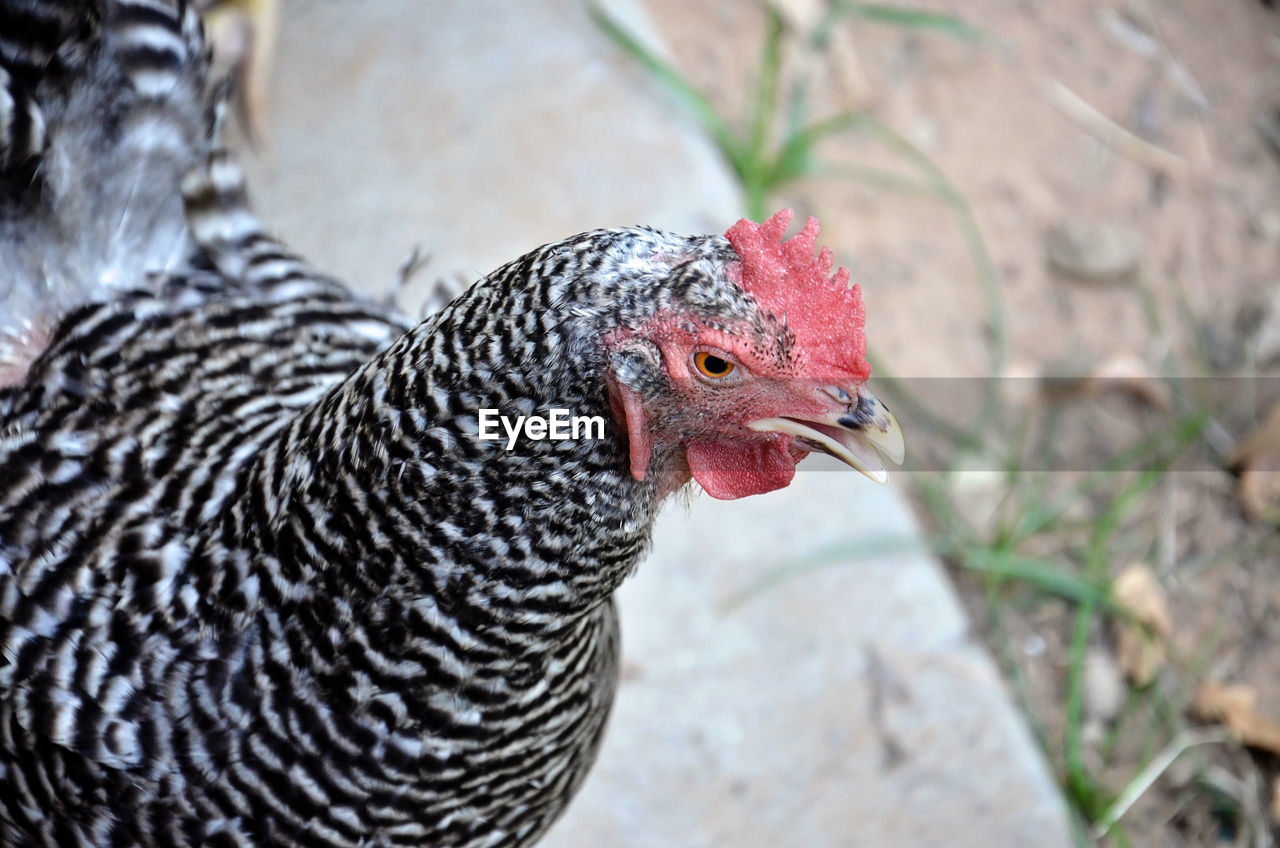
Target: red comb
823,311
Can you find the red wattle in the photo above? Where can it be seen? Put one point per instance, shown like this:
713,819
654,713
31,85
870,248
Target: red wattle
727,470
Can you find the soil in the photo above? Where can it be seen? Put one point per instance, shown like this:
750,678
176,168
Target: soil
1122,162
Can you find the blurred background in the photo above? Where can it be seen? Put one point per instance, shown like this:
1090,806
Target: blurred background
1059,625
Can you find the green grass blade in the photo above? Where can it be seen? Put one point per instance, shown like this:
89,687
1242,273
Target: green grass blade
1105,526
730,147
795,158
765,102
894,16
897,17
797,106
1146,778
763,107
979,255
1039,575
1165,446
1084,791
915,19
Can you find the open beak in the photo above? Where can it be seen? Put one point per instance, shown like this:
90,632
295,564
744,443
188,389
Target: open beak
861,435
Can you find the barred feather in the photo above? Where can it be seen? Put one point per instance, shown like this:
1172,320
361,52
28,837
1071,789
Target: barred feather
103,110
261,582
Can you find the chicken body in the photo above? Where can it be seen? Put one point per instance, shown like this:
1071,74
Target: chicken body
262,580
299,627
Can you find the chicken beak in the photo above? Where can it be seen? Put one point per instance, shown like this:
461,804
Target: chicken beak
861,435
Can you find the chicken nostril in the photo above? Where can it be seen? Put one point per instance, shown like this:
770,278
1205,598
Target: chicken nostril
864,413
838,393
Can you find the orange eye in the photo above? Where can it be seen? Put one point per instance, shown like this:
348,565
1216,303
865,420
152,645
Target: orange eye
710,365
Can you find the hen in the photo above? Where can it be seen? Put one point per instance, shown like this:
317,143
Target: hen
263,579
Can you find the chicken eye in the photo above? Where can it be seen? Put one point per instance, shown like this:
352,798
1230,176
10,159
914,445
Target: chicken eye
710,365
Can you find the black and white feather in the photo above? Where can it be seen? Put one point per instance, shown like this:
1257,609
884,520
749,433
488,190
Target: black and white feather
260,581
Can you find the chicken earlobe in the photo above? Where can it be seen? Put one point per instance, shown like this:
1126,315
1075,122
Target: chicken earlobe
639,443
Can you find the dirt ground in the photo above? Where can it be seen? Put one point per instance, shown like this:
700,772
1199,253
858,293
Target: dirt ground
1122,160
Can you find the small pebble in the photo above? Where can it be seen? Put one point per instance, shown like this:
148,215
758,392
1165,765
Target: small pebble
1104,687
1259,322
1092,252
1265,224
